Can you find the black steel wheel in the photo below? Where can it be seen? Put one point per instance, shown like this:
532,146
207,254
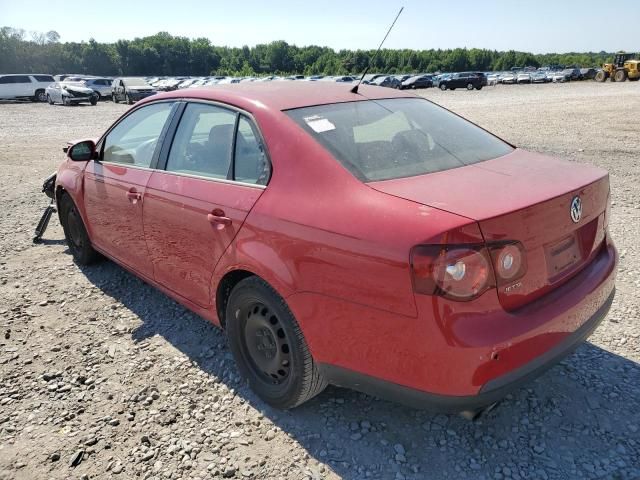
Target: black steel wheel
268,346
75,233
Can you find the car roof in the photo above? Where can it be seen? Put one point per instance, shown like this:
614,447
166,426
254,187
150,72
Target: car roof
284,95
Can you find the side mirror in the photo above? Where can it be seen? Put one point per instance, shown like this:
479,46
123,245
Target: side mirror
82,151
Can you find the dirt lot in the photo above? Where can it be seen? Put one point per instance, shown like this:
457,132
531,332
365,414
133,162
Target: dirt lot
102,376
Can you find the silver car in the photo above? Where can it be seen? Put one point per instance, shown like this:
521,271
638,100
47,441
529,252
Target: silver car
102,86
70,94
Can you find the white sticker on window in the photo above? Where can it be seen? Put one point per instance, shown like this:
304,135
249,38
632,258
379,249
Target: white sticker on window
319,124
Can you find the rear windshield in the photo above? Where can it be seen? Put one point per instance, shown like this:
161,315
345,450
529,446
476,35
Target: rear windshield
396,138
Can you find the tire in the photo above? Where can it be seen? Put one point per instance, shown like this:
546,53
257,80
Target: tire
75,233
601,76
443,87
39,96
94,100
269,347
620,75
470,86
633,79
50,100
98,96
127,99
66,101
114,98
479,87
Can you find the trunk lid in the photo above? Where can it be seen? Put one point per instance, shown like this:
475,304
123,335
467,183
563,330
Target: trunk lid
525,197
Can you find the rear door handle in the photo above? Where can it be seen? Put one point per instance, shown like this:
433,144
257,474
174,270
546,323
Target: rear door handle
219,219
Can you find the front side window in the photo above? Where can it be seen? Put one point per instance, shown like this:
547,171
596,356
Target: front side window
203,142
396,138
134,139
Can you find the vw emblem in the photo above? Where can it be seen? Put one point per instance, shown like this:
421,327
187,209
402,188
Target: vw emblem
576,209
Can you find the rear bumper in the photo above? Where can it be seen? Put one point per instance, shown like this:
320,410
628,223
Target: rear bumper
491,392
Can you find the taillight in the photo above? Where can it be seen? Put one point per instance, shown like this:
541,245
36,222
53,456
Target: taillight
509,261
463,272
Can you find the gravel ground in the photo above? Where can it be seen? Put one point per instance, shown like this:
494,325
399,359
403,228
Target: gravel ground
102,376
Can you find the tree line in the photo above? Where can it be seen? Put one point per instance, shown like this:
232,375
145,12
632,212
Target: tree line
165,54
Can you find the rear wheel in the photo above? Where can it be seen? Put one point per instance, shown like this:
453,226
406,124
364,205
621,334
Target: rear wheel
620,75
601,76
268,346
94,100
114,97
127,99
470,86
75,233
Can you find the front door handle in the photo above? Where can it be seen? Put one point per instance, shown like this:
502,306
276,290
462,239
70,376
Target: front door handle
218,219
134,196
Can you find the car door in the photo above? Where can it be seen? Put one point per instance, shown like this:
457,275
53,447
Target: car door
215,170
115,183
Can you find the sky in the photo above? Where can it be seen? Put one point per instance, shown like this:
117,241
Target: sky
538,26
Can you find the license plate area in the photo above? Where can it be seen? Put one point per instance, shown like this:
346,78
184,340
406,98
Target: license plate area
562,255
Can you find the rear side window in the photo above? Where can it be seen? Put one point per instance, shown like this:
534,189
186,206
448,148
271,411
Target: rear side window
44,78
21,79
396,138
5,80
203,142
251,164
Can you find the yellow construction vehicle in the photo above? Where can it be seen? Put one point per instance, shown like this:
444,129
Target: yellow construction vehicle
625,65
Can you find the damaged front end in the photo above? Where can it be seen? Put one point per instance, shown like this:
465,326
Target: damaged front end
49,189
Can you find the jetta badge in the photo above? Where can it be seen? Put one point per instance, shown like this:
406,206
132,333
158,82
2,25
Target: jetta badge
576,209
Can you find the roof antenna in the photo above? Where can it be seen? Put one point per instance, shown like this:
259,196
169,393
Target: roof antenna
355,89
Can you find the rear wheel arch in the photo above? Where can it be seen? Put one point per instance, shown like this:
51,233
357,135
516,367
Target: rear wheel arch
224,289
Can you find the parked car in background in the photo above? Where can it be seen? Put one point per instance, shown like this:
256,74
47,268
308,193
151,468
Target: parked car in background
130,90
572,73
344,78
438,78
493,79
588,73
508,78
386,81
102,86
558,77
493,265
539,77
31,86
523,77
468,80
70,93
417,81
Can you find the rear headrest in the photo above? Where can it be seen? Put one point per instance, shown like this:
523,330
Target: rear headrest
221,134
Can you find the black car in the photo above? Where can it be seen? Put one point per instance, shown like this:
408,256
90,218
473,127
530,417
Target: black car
418,81
572,73
468,80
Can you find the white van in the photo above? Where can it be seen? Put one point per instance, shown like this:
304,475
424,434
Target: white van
25,86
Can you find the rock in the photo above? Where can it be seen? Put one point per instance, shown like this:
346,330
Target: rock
76,458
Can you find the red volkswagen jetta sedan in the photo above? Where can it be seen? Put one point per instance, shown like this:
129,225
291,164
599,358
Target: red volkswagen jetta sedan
372,240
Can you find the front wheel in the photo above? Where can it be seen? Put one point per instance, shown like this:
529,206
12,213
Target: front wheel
443,87
127,99
269,347
49,99
94,100
470,86
75,232
114,97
